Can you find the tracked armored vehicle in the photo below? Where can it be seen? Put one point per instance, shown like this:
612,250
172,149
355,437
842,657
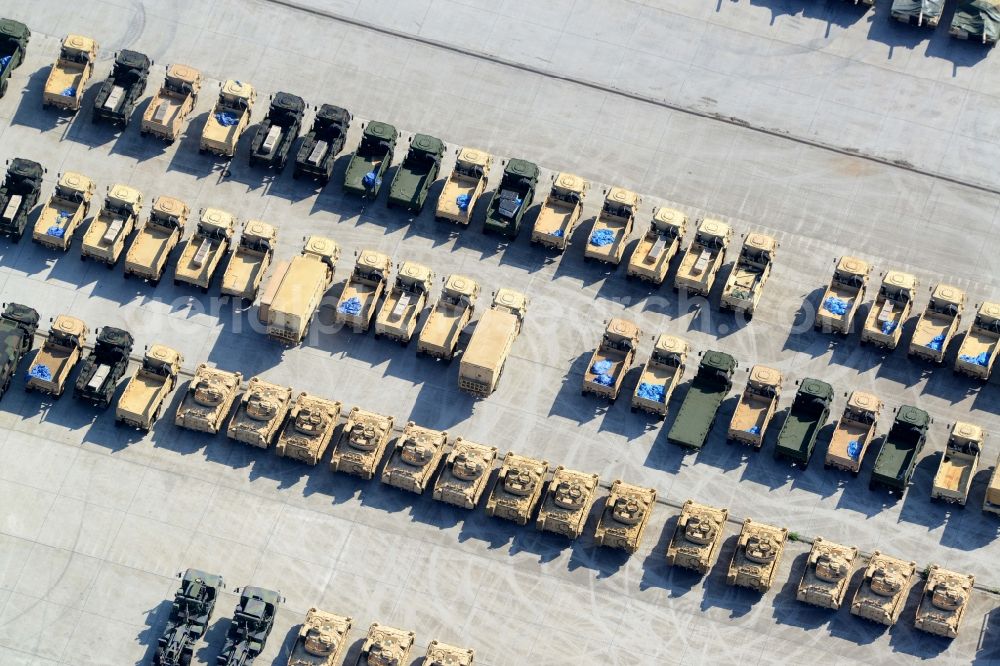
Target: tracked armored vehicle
567,503
517,489
385,646
625,515
119,94
309,428
442,654
18,195
415,458
362,443
278,131
697,537
209,398
321,144
190,613
827,574
465,473
261,412
251,625
101,370
322,639
757,555
944,601
882,594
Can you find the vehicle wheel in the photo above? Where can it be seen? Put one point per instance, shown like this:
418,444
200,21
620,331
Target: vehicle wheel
202,151
177,282
155,282
582,392
83,257
633,409
871,485
856,472
119,424
126,275
295,174
404,342
204,290
826,465
94,119
59,393
109,266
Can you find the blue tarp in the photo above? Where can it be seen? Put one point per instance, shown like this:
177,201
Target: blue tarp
936,343
602,237
837,306
226,119
4,61
888,327
982,359
754,430
605,380
352,306
654,392
371,180
600,367
58,232
854,448
462,200
41,372
69,92
63,215
558,233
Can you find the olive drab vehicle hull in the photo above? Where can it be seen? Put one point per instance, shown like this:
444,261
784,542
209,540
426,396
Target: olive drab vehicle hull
362,443
170,107
756,407
442,654
517,489
261,413
190,614
757,556
808,414
701,405
975,21
882,594
919,13
18,324
449,317
15,36
416,174
203,252
386,645
70,73
465,473
277,132
322,143
827,574
400,311
371,160
229,119
612,359
106,235
703,258
884,323
938,324
142,402
959,464
979,346
843,296
249,260
101,370
150,250
296,289
514,195
625,516
745,284
650,260
309,428
414,458
567,502
209,398
560,212
250,627
322,639
118,96
359,299
897,458
944,601
697,537
854,432
613,227
64,212
22,185
463,188
660,375
62,349
484,359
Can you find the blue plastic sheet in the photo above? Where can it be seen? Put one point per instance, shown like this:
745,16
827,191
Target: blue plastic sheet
936,343
854,448
654,392
754,430
600,367
558,233
58,232
888,327
982,358
462,200
352,306
226,119
371,180
63,215
602,237
41,372
604,380
69,92
837,306
4,61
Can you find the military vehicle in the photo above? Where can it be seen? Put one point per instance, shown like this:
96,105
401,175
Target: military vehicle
249,260
19,193
397,318
827,574
414,458
697,537
65,210
277,131
209,398
661,374
261,413
483,362
296,289
758,552
309,428
898,456
567,502
612,359
103,367
560,212
704,398
651,257
203,252
362,443
884,324
943,603
141,403
979,347
843,296
958,464
228,120
977,20
442,654
322,639
882,593
746,281
465,473
703,257
321,144
625,515
70,73
118,96
921,13
464,186
756,408
371,160
938,324
364,287
190,613
105,237
385,646
612,227
58,356
512,198
14,38
416,174
165,115
251,624
18,324
449,317
991,502
854,432
807,416
149,253
517,489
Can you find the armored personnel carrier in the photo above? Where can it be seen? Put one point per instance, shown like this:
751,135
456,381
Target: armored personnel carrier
249,260
697,537
322,639
362,443
512,198
442,654
194,603
415,458
385,646
613,227
18,324
204,251
119,94
397,318
448,318
625,515
943,603
882,594
107,233
261,412
229,119
701,405
209,397
746,281
703,258
484,359
14,38
651,257
296,289
560,212
19,193
371,160
757,555
321,144
854,432
103,367
251,625
416,174
309,428
756,408
278,131
807,416
172,104
364,287
570,496
958,464
465,473
660,375
149,253
141,403
463,188
893,304
517,489
977,20
827,574
58,356
842,297
938,324
64,212
612,359
70,73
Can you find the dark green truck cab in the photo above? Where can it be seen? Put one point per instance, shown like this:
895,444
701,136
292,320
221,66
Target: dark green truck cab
371,160
14,38
976,20
898,456
704,398
415,175
512,198
809,413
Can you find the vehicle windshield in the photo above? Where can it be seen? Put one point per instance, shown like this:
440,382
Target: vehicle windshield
991,325
710,241
74,55
852,280
373,147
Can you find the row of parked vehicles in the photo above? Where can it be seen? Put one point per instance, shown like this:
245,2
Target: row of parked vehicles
974,20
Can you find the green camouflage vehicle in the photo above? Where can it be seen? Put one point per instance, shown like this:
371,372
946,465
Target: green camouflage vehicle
921,13
898,456
976,19
14,38
701,404
371,160
809,413
415,175
18,324
512,198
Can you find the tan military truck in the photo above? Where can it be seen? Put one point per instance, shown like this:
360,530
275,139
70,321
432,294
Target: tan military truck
261,413
703,257
612,227
650,260
64,212
757,555
58,356
296,289
150,250
442,654
70,73
141,403
854,432
414,458
612,359
944,601
204,251
322,639
397,318
105,238
884,324
843,296
756,408
827,574
517,489
626,512
364,287
567,502
483,362
560,213
938,324
448,318
697,537
464,186
978,350
882,593
249,260
229,119
746,281
209,398
172,104
661,374
465,473
362,443
958,464
309,428
386,646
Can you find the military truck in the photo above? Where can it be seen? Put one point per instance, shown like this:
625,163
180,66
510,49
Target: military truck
704,398
442,654
119,94
362,443
884,324
567,502
697,537
371,160
827,574
416,174
625,515
843,296
70,73
65,210
249,260
921,13
756,407
385,645
979,347
149,253
958,464
660,375
449,317
209,398
898,456
650,260
757,555
612,359
251,624
309,428
19,193
807,416
854,432
59,354
484,359
105,237
277,131
190,613
103,367
321,144
976,19
203,252
14,38
991,502
944,601
882,594
937,324
321,640
228,120
464,186
18,324
296,289
363,289
703,257
141,403
746,281
612,227
465,473
397,318
261,413
414,458
517,489
560,212
512,198
172,104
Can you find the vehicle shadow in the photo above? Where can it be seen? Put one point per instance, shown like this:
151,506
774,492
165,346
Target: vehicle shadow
850,628
960,53
186,158
988,647
156,619
722,455
329,196
287,644
887,30
838,13
83,128
129,142
969,528
29,112
215,636
547,546
790,611
905,638
917,507
801,337
656,573
479,527
569,402
718,594
855,495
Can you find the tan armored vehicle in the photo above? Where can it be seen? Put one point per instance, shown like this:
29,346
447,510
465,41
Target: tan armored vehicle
483,362
613,227
322,639
397,318
466,471
650,259
105,238
758,552
58,356
938,324
309,428
756,407
364,287
204,251
64,212
567,502
362,443
145,393
229,119
414,458
704,257
854,432
884,324
560,213
517,489
209,398
991,503
827,575
442,654
697,537
661,374
164,117
979,347
882,594
746,281
612,359
70,73
462,189
261,413
449,316
958,464
843,296
150,250
943,603
296,289
625,515
249,260
386,646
